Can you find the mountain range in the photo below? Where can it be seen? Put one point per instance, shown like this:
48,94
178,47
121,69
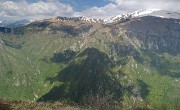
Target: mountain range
130,60
14,23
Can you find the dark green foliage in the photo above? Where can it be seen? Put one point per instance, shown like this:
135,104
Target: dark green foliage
15,31
91,75
63,57
5,30
9,74
40,24
72,30
176,103
12,45
163,63
144,89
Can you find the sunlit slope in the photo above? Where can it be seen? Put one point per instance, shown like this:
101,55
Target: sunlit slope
142,55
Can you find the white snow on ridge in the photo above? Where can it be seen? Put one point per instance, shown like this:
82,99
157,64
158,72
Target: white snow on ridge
160,16
130,15
32,20
84,18
143,12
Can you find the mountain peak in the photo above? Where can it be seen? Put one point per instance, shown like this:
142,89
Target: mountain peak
137,13
143,12
81,18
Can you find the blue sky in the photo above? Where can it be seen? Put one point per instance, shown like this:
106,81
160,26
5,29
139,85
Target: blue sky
80,5
103,9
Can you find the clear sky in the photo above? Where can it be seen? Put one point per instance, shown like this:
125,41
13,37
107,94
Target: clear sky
41,9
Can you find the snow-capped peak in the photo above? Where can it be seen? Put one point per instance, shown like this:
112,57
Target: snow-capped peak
32,20
84,18
143,12
130,15
81,18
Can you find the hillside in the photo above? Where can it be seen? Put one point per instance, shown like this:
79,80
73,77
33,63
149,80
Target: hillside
134,62
27,105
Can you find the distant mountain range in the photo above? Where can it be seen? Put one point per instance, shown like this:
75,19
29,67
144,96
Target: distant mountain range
121,17
14,23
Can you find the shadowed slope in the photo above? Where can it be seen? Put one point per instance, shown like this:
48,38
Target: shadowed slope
80,78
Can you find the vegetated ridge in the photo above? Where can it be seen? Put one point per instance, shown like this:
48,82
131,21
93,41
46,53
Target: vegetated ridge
132,62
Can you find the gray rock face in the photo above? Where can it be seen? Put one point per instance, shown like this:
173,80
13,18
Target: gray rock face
161,35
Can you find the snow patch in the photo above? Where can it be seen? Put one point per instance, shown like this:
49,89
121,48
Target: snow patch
161,16
143,12
84,18
130,15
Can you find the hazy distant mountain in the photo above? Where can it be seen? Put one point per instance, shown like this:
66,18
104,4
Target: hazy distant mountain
14,23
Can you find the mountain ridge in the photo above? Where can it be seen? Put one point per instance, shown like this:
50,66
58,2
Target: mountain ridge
137,60
120,17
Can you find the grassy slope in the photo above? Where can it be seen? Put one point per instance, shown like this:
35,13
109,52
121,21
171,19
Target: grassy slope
24,72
